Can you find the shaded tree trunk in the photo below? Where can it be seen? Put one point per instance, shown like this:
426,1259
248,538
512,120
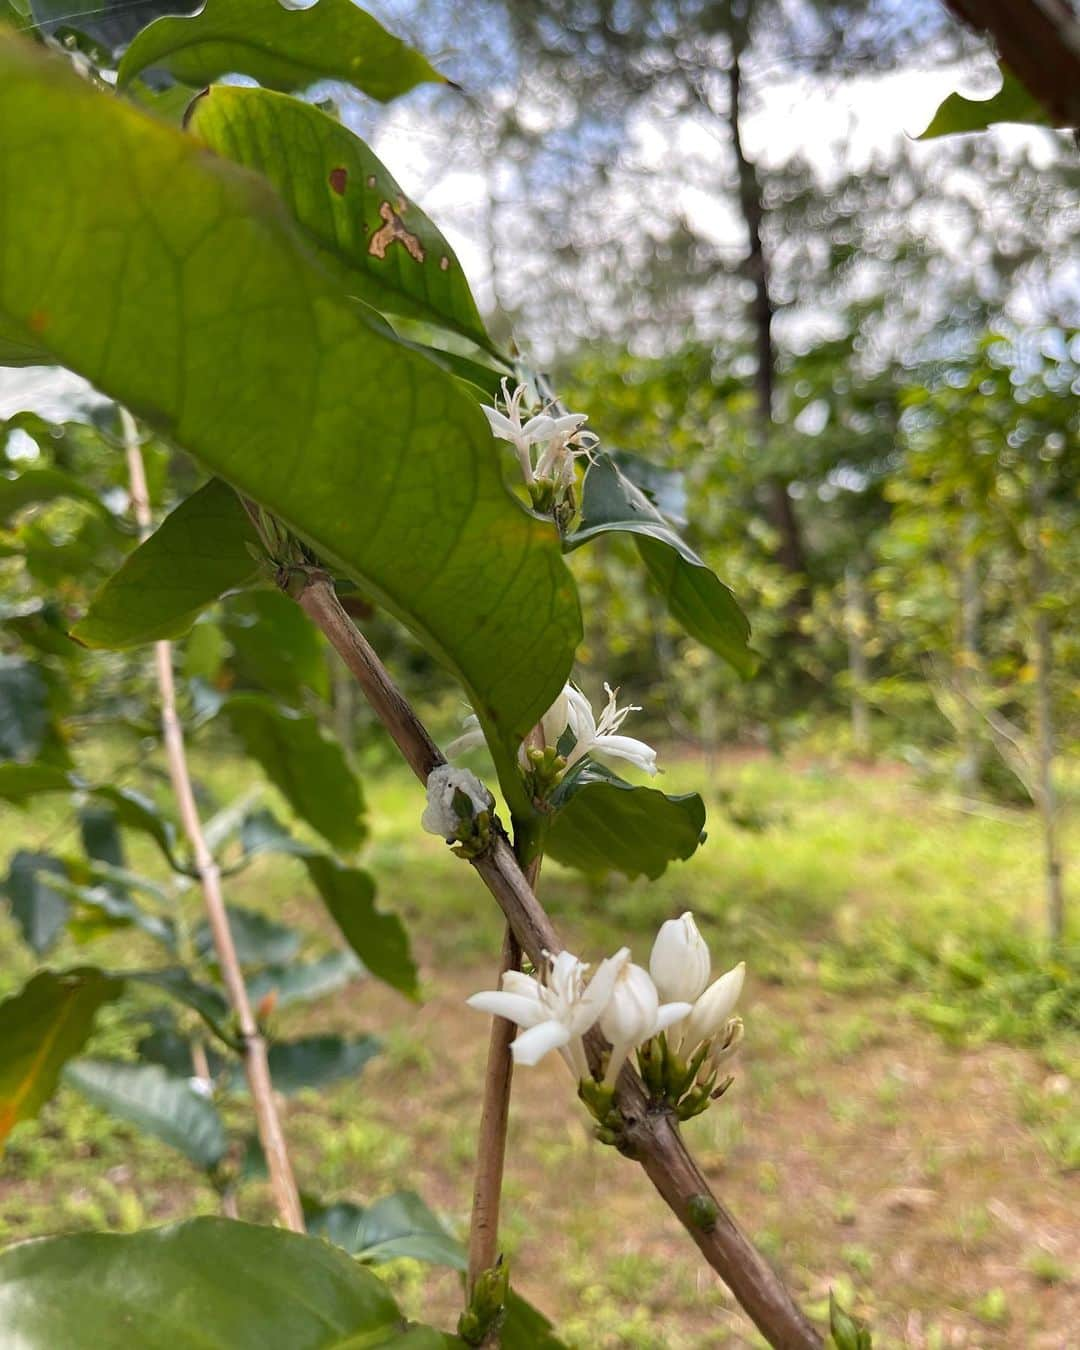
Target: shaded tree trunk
1044,718
855,624
969,768
791,552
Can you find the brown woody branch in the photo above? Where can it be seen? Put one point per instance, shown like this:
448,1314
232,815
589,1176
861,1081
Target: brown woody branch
651,1135
1039,40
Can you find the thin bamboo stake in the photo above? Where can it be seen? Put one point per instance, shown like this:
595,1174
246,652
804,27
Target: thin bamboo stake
256,1063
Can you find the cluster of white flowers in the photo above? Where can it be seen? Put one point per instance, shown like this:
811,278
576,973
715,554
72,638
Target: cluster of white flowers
555,1012
592,735
555,441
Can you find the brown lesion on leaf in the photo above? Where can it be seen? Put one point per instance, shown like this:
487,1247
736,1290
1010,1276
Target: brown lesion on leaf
394,229
339,179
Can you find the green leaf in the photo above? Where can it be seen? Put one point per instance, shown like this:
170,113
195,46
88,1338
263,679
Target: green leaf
32,487
20,782
602,824
398,1225
37,906
275,646
1012,103
136,812
153,1101
205,312
203,998
309,770
42,1027
286,49
313,1061
848,1333
208,1284
100,908
197,554
258,940
379,940
303,980
383,247
526,1327
696,597
24,709
100,836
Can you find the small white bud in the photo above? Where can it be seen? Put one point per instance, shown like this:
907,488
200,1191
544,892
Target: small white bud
712,1012
440,816
679,964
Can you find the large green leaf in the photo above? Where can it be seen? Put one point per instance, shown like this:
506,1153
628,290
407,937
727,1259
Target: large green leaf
282,48
378,939
385,249
208,1284
24,709
197,554
398,1225
38,906
695,595
175,282
154,1101
1011,103
41,1028
602,824
313,1061
309,770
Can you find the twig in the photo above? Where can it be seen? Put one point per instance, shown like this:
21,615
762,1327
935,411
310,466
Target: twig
491,1137
652,1135
256,1063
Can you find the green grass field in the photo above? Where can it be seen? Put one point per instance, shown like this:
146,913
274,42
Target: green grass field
904,1123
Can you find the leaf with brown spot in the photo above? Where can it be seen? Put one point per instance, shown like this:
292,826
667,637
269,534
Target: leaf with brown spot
41,1028
400,270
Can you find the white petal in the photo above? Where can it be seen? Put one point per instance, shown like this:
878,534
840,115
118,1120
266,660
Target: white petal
532,1045
500,425
526,1012
626,747
517,982
669,1014
538,428
590,1007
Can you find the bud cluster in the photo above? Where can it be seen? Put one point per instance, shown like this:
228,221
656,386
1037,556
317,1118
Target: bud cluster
459,809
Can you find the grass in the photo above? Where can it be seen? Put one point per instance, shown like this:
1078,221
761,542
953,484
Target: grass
903,1123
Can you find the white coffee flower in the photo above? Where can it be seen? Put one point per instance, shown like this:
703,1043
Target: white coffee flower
554,1014
554,438
601,737
440,815
680,962
634,1015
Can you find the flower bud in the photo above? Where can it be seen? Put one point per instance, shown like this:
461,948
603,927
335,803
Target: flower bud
630,1016
679,964
713,1009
